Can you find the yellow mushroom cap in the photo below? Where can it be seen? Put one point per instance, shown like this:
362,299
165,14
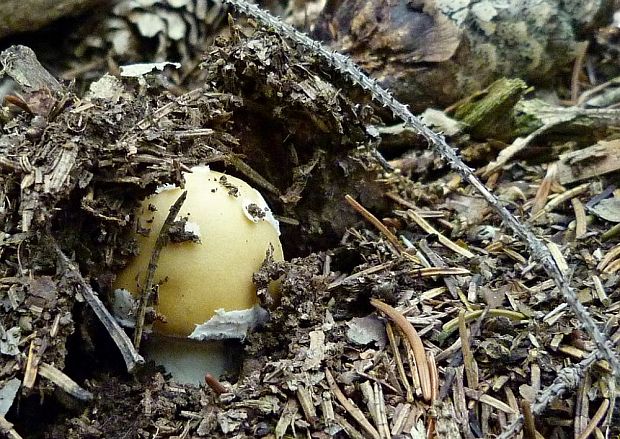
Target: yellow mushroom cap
236,230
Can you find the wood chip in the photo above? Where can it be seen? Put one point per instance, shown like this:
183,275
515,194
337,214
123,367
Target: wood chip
64,382
580,218
599,159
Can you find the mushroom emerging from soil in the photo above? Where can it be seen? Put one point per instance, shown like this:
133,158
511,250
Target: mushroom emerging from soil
205,290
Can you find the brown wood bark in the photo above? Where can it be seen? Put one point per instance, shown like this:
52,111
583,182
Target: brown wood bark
27,15
434,52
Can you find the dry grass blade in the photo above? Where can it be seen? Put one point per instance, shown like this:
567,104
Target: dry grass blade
599,290
376,407
401,414
382,422
543,191
471,367
512,402
437,261
399,362
582,405
375,222
609,256
581,51
558,257
413,365
347,427
432,367
370,270
446,242
428,228
411,257
488,399
439,271
460,403
452,325
497,247
555,202
612,267
415,342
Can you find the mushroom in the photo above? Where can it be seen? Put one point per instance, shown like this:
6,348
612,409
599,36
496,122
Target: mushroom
205,289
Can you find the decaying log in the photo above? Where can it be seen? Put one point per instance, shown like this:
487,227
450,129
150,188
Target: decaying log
489,115
432,53
27,15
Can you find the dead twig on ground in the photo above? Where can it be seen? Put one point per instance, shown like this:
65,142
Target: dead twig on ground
128,351
351,408
145,293
375,222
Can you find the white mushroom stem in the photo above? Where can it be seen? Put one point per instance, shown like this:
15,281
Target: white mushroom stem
188,361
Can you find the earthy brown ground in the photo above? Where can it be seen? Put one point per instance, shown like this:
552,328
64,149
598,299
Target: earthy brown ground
494,328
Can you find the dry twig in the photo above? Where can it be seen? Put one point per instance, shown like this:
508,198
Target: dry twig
128,351
145,292
350,407
428,228
64,382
